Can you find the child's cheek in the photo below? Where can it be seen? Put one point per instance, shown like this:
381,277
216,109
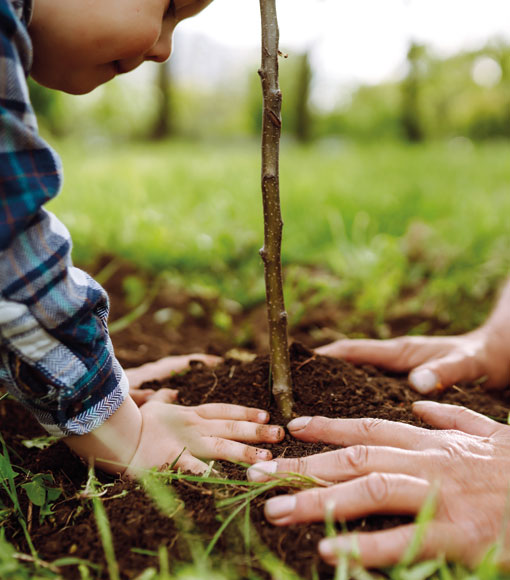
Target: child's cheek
140,41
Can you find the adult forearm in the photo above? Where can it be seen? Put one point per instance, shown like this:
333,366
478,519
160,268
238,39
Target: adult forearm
500,315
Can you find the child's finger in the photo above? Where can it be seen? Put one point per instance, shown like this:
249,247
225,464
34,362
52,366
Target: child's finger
233,412
163,396
219,448
191,464
140,396
244,431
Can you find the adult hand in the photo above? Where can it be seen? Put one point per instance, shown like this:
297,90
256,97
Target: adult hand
434,362
159,370
392,468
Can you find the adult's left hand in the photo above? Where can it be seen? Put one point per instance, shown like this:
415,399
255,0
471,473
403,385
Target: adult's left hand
391,468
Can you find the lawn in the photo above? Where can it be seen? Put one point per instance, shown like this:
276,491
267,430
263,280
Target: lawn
374,222
381,230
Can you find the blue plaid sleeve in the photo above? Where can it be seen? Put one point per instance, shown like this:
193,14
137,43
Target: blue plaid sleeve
56,356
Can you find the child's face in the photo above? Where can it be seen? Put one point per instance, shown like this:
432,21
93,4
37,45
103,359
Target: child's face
80,44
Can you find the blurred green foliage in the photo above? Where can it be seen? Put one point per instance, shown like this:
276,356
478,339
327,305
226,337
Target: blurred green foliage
466,95
373,222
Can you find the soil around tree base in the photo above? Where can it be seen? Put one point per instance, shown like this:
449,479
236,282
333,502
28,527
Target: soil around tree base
322,386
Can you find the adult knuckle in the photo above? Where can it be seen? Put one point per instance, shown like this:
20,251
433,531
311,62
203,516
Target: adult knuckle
378,487
369,426
355,458
480,528
450,450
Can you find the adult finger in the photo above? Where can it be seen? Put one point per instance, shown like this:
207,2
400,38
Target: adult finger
219,448
446,371
382,353
388,547
445,416
397,354
234,412
372,494
342,464
244,431
365,431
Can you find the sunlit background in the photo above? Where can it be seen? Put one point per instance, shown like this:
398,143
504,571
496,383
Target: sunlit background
395,157
344,58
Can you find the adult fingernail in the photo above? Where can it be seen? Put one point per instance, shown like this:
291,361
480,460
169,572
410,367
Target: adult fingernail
260,471
331,547
278,507
299,423
424,380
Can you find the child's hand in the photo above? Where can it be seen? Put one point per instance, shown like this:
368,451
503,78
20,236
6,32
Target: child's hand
211,431
161,369
159,433
434,362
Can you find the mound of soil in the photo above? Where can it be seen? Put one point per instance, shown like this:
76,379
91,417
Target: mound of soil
323,386
175,323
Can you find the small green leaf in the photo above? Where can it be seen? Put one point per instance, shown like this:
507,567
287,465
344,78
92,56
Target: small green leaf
36,492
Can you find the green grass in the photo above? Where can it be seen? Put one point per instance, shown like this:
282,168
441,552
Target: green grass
432,219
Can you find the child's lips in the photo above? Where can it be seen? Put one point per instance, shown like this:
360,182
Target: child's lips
125,67
117,65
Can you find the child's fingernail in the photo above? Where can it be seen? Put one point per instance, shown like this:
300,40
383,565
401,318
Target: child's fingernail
263,455
277,433
278,507
299,423
263,417
424,380
260,471
332,547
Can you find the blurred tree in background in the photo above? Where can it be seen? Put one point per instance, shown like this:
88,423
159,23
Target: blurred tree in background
411,88
464,95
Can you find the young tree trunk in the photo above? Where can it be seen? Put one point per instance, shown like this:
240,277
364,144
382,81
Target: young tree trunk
273,224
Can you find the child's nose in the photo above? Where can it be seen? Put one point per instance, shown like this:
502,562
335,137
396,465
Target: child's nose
161,51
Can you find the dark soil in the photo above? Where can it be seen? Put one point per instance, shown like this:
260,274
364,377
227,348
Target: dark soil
323,386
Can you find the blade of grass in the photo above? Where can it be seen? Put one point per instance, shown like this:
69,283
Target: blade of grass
103,527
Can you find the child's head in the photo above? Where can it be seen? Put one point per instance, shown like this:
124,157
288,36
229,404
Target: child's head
80,44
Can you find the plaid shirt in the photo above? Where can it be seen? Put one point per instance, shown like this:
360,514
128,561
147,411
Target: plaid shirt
56,356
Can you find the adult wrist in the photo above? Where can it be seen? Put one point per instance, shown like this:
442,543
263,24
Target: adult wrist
113,445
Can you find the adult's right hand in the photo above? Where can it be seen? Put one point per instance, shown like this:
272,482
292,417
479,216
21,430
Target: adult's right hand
435,362
392,468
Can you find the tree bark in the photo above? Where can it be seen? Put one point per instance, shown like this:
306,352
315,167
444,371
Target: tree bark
273,224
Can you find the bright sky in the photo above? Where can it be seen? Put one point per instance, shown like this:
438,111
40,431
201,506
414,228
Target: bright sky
358,40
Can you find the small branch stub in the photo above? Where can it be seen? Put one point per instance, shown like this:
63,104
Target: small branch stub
273,224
